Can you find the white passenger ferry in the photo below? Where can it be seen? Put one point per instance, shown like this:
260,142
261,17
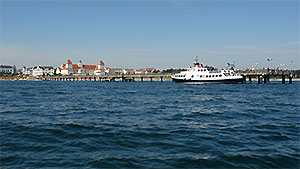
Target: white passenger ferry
200,74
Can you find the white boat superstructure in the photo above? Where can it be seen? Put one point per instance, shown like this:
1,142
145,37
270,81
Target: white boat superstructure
200,74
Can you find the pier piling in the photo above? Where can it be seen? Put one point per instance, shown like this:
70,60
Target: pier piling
265,79
250,79
259,79
244,80
290,79
283,79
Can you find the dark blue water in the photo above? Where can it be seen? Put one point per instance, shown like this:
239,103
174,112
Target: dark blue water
149,125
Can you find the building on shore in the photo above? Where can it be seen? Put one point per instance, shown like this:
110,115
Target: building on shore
38,71
80,69
8,69
43,71
27,71
118,70
145,71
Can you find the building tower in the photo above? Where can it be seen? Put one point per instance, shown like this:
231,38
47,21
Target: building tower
101,65
69,64
80,64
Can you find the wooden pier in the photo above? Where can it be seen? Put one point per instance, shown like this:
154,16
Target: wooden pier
123,78
265,78
247,78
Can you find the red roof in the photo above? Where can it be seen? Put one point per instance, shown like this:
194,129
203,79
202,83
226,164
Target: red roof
86,67
75,67
89,67
101,62
69,61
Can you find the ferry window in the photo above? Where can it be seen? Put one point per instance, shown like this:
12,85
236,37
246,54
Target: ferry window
201,70
200,75
209,75
198,70
213,75
206,75
192,76
220,75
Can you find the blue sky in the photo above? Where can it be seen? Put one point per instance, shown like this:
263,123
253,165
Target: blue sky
161,33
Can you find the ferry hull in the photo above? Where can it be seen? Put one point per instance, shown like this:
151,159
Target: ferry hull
224,81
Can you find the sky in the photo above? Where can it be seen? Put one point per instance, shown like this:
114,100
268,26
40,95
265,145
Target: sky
151,33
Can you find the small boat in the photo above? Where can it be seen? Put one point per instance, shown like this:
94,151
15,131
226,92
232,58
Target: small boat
199,74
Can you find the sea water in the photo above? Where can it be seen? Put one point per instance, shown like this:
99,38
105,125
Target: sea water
149,125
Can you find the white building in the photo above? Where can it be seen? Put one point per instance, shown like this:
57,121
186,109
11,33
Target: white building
145,71
27,71
118,70
9,69
42,71
80,69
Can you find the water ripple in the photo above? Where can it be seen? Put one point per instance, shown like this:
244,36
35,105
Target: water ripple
148,125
